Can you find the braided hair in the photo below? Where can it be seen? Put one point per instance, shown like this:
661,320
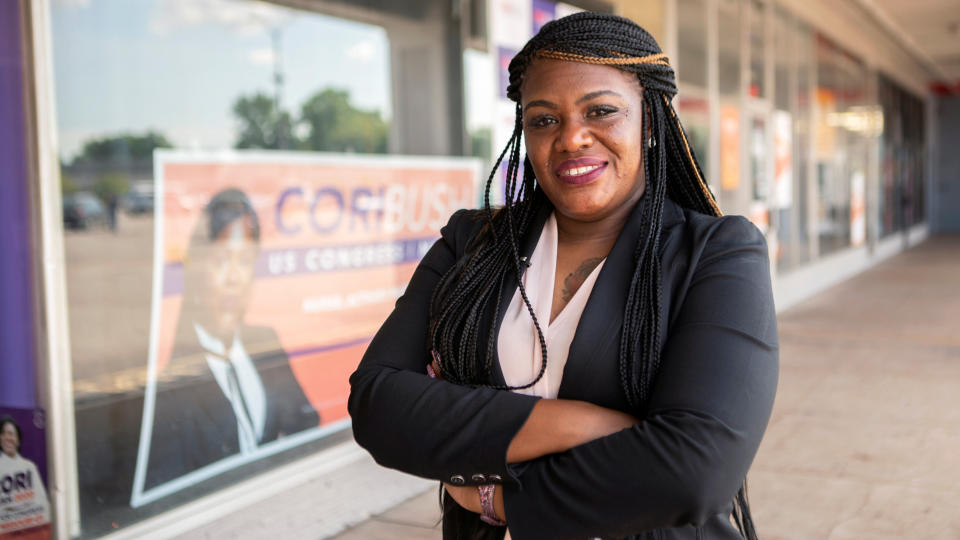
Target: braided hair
470,291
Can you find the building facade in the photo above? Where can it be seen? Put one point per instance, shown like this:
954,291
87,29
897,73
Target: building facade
211,205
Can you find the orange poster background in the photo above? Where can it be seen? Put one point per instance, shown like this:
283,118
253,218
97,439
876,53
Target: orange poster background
382,201
729,147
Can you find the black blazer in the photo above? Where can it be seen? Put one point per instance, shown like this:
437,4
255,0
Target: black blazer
672,476
193,422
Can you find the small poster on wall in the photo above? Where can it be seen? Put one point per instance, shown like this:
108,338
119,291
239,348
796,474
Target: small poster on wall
24,506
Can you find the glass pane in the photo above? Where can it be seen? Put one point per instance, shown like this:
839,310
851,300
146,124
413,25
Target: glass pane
784,153
694,111
692,36
733,198
800,244
833,215
902,197
759,179
757,50
223,350
728,20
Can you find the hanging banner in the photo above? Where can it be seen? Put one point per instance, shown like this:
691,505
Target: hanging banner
272,272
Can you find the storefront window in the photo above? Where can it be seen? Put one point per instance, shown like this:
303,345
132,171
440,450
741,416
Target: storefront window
783,198
799,251
833,186
692,42
692,102
757,88
918,136
902,198
804,101
234,234
732,198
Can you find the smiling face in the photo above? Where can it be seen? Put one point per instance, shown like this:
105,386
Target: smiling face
9,439
582,124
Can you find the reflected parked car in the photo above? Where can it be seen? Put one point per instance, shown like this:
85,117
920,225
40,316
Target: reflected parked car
83,210
139,200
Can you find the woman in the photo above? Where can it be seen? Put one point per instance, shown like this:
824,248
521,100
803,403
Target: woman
620,387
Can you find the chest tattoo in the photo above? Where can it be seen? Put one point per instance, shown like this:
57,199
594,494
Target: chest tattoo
575,279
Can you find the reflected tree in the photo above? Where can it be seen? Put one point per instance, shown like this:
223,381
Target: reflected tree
107,165
333,124
328,122
262,124
121,149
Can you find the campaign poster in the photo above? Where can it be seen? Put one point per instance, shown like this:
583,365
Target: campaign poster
272,272
24,506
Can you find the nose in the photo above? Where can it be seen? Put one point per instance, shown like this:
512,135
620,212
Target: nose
573,136
235,272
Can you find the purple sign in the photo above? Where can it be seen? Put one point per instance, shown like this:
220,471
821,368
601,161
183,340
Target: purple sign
17,374
504,55
544,11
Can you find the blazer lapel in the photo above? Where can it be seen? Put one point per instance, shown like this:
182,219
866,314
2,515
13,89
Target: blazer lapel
592,369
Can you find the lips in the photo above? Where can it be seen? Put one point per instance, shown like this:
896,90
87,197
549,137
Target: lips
580,171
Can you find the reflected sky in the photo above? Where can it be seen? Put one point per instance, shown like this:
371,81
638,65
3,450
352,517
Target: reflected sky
177,66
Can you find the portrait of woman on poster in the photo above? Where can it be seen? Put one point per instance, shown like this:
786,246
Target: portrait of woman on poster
24,508
599,356
237,391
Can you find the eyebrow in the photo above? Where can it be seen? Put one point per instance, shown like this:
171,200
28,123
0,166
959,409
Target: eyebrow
585,97
598,93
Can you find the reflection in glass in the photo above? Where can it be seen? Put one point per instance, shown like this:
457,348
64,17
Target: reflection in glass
842,147
801,246
902,197
692,42
731,197
786,176
757,86
135,76
728,20
228,388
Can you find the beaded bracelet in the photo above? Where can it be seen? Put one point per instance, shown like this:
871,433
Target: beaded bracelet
489,515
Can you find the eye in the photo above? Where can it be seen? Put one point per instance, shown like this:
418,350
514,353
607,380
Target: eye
600,111
541,120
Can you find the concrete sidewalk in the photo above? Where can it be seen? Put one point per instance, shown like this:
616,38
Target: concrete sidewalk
865,436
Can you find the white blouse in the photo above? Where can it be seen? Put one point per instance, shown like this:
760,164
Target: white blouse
517,345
